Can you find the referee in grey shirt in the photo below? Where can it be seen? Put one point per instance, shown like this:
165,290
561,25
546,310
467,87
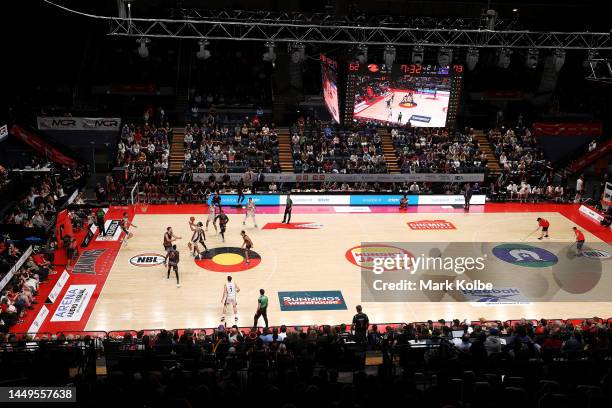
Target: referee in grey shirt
288,208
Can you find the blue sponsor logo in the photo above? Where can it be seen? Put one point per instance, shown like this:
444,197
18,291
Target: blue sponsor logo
525,255
311,300
232,199
382,199
420,118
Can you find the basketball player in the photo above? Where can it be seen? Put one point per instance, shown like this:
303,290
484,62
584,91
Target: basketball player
250,212
124,224
192,227
388,103
544,224
230,290
198,237
403,203
169,238
399,118
173,260
212,213
579,240
223,220
247,244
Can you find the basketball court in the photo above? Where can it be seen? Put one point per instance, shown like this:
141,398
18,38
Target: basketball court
426,111
319,253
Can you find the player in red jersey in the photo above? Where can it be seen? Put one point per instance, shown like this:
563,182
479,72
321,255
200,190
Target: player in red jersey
579,240
544,224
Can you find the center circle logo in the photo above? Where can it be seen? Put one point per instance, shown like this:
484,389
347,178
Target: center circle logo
363,256
525,255
227,259
147,259
596,254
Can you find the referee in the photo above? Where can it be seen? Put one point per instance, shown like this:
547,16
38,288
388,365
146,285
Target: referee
288,208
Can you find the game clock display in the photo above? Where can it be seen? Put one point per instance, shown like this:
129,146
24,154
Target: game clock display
398,70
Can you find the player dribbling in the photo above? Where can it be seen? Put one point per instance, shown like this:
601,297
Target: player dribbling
198,237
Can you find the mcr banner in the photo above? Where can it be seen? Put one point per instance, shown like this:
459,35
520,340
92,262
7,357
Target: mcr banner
568,129
73,123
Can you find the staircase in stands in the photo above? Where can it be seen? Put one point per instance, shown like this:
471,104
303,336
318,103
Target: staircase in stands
284,150
485,146
389,151
177,152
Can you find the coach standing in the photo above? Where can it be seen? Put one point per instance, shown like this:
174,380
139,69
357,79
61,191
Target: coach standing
288,208
467,195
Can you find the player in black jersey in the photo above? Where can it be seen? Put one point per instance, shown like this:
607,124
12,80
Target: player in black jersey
173,260
223,220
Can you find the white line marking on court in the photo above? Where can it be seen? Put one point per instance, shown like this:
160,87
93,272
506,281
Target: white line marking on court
352,209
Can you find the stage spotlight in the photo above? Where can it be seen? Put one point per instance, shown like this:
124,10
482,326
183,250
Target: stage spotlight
531,61
270,55
558,59
491,19
418,53
203,53
591,56
389,56
472,58
143,50
445,57
504,55
362,53
298,53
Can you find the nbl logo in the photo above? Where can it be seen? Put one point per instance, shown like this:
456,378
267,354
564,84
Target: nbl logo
148,259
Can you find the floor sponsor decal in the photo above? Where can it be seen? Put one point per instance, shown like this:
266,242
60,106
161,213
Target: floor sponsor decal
596,253
147,259
525,255
431,225
87,261
112,231
40,318
311,300
293,225
228,259
496,296
73,303
57,288
363,256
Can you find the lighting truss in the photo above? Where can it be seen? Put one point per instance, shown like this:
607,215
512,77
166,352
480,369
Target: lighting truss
321,28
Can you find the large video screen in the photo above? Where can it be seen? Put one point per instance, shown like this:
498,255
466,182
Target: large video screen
329,76
414,94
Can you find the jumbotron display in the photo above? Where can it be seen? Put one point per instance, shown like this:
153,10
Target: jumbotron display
421,95
329,75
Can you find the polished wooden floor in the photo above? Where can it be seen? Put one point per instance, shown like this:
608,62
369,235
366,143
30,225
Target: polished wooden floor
299,260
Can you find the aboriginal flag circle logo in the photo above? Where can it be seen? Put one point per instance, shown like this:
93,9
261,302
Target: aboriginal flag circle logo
525,255
363,255
227,259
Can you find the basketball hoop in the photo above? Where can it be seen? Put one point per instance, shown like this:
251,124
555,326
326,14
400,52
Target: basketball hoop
144,207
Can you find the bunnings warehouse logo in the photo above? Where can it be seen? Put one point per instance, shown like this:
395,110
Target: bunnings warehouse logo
312,300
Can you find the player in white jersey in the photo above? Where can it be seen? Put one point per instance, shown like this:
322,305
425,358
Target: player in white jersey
250,212
212,214
230,290
198,237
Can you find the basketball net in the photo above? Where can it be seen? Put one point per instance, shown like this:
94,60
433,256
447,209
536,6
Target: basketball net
144,207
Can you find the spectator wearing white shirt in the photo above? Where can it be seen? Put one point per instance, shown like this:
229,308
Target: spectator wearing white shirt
414,187
512,189
579,188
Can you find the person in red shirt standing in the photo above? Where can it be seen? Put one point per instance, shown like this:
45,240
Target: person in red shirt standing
579,240
544,224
